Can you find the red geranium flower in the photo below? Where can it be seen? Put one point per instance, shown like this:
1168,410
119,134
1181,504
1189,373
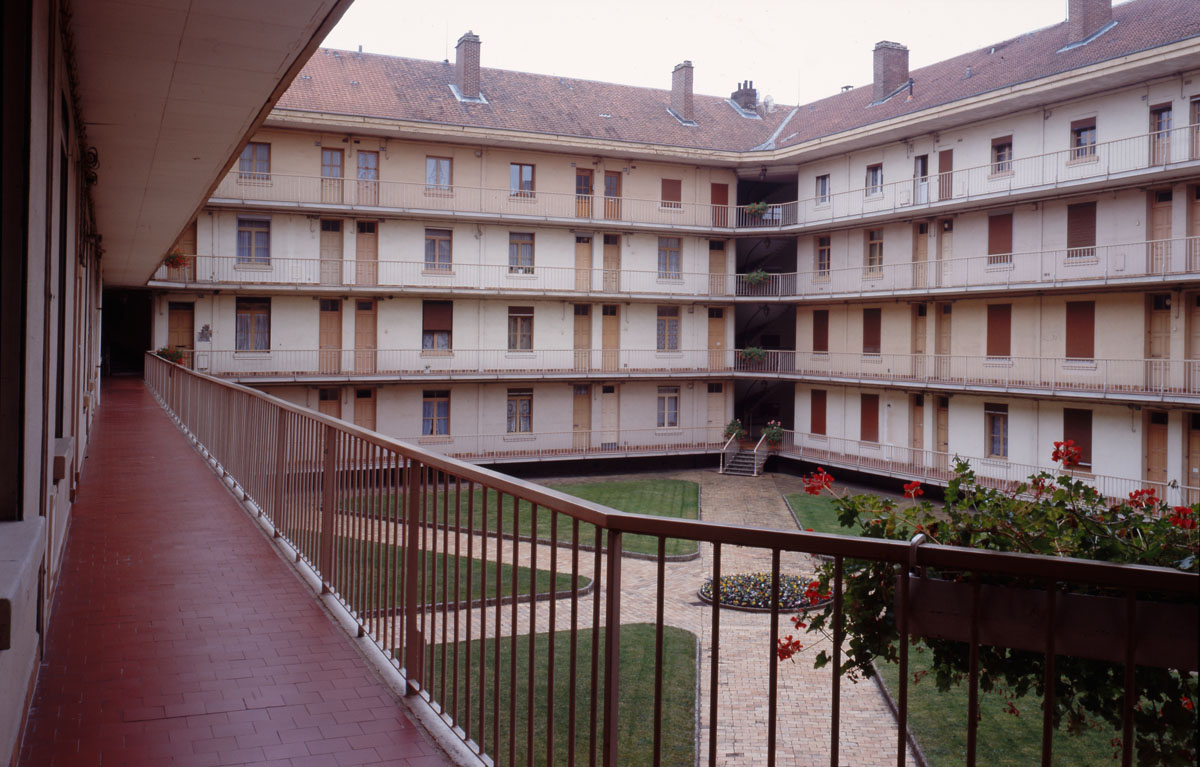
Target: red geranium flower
1067,453
913,489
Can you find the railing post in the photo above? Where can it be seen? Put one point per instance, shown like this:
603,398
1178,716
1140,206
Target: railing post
279,479
328,482
414,646
612,647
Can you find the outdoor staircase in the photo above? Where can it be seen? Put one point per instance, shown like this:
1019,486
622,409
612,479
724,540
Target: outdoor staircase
742,464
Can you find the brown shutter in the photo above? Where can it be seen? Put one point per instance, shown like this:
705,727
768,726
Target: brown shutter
999,330
817,418
438,315
820,330
871,332
1000,234
1081,329
1081,225
869,418
672,190
1077,426
1087,122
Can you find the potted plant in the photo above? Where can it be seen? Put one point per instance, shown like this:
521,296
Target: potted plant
170,355
756,277
756,209
175,259
753,354
734,429
773,432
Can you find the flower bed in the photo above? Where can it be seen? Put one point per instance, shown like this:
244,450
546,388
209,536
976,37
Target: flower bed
752,591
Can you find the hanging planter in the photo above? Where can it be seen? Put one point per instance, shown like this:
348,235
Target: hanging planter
757,209
753,354
175,259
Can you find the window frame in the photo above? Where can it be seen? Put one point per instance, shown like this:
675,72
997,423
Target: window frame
432,338
667,329
253,226
995,426
670,258
1080,250
520,328
435,237
822,189
669,187
872,330
516,255
517,422
874,186
327,152
252,338
437,186
668,418
1083,139
254,163
822,257
1002,156
520,187
873,255
434,423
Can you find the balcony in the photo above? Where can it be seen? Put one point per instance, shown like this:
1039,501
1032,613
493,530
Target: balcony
333,493
1164,153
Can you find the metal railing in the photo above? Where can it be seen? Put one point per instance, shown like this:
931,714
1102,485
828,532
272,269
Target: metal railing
379,521
729,450
577,443
761,453
1078,165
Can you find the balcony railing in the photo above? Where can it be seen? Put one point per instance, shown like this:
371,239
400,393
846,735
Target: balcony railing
579,443
1098,162
362,511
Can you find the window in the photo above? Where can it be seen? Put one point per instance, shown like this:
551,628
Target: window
874,255
874,179
255,163
435,412
1081,230
823,256
1002,155
668,406
999,330
872,330
668,328
520,411
868,420
331,163
668,258
1077,426
520,180
995,419
520,328
253,325
520,252
1000,239
1083,139
437,323
823,189
438,174
820,331
1081,330
672,193
253,241
437,250
816,417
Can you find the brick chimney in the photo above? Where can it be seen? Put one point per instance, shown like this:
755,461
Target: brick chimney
466,65
1087,17
891,68
681,91
745,97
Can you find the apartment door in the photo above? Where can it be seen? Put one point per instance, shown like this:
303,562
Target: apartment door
1160,135
942,340
921,179
919,312
186,245
716,338
582,417
1158,340
331,251
920,254
583,262
715,416
583,192
368,178
1191,474
945,174
720,204
1193,264
1193,345
583,336
329,340
916,429
181,328
941,417
612,194
610,416
717,280
612,263
329,402
331,176
945,251
610,337
1156,446
1159,248
364,408
366,254
366,328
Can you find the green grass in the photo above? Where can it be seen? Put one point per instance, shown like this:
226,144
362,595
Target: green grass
939,723
817,512
636,714
656,497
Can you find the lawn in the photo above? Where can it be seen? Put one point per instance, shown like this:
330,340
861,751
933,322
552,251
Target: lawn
817,512
656,497
939,723
636,722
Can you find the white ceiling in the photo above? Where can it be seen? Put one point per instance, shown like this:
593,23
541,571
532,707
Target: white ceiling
169,91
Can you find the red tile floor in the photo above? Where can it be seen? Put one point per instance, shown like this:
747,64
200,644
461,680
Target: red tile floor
179,637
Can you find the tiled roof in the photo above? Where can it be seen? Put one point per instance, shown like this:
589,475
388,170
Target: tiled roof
343,82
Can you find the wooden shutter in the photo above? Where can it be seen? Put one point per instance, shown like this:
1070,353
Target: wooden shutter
999,330
816,421
672,190
820,330
869,418
1000,234
1081,329
1077,426
438,315
871,331
1081,225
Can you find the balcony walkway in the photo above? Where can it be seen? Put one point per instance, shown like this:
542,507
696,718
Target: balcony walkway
180,637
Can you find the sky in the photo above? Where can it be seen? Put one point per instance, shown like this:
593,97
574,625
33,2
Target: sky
796,51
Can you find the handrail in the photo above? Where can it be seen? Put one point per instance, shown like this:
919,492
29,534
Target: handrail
757,463
725,451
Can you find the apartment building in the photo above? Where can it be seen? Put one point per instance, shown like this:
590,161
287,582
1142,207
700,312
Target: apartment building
973,258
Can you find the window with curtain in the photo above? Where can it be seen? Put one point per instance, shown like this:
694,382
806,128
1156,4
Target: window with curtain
437,250
520,411
668,406
520,328
668,258
435,413
668,328
254,164
437,325
996,427
253,324
438,174
520,252
253,241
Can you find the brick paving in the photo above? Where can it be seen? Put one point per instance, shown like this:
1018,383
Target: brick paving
180,637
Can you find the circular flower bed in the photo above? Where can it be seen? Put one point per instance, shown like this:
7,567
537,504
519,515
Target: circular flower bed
752,591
